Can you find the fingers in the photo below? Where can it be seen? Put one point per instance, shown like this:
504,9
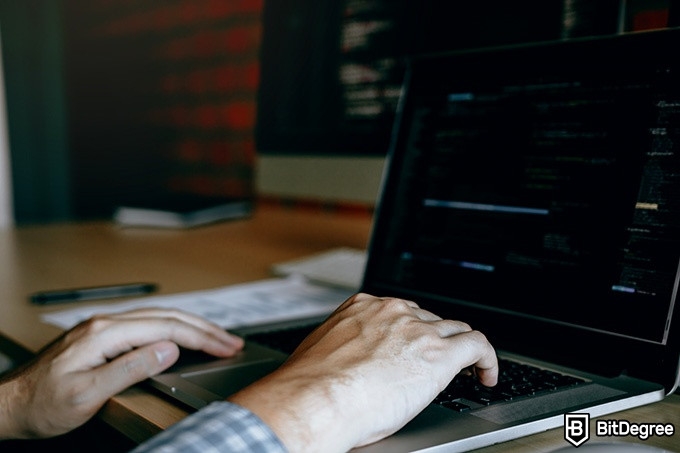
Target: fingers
115,352
198,322
131,333
471,348
447,328
100,357
138,365
102,338
124,371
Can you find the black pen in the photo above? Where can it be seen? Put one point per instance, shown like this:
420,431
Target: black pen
92,293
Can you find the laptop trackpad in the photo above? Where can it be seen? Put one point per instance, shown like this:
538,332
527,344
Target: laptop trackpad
226,381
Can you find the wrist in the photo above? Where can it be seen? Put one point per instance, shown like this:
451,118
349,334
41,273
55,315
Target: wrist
10,410
303,410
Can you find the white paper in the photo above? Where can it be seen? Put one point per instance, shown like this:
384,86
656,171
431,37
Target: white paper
231,306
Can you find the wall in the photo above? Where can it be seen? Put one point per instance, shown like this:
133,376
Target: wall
161,98
6,214
36,121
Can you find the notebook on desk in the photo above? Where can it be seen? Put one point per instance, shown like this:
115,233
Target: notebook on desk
532,191
341,267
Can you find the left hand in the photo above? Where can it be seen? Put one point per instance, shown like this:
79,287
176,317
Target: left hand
72,379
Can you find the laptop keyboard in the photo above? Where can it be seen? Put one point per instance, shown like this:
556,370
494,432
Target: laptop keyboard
516,380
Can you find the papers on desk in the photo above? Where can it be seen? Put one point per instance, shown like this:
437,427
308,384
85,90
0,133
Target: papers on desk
232,306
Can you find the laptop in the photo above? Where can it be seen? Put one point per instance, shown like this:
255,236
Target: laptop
532,191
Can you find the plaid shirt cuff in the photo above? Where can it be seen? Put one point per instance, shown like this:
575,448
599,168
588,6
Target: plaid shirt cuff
218,427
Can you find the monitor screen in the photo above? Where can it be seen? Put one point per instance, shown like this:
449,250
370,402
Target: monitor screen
332,72
541,182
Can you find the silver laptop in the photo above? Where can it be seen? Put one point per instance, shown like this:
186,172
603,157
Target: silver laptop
534,192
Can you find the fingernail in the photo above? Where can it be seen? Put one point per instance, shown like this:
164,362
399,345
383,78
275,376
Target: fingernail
163,351
234,340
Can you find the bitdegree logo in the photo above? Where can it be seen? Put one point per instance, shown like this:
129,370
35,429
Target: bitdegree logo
576,428
577,432
624,428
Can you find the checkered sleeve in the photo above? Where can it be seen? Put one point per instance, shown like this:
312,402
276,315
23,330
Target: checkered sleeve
219,427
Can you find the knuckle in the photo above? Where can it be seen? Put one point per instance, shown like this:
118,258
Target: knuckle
88,328
465,327
396,305
131,366
136,366
78,395
359,298
478,337
353,301
96,323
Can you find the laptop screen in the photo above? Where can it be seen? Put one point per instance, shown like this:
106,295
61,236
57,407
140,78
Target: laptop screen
541,182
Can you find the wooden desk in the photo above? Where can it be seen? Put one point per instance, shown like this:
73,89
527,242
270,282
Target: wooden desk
72,255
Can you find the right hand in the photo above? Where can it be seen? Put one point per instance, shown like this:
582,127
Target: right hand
364,373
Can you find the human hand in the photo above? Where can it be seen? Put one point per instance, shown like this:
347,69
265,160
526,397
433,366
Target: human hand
72,378
364,373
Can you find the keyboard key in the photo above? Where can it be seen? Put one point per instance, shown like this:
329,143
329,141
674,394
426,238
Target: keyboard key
456,406
516,380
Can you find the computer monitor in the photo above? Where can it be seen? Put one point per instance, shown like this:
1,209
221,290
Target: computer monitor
331,77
